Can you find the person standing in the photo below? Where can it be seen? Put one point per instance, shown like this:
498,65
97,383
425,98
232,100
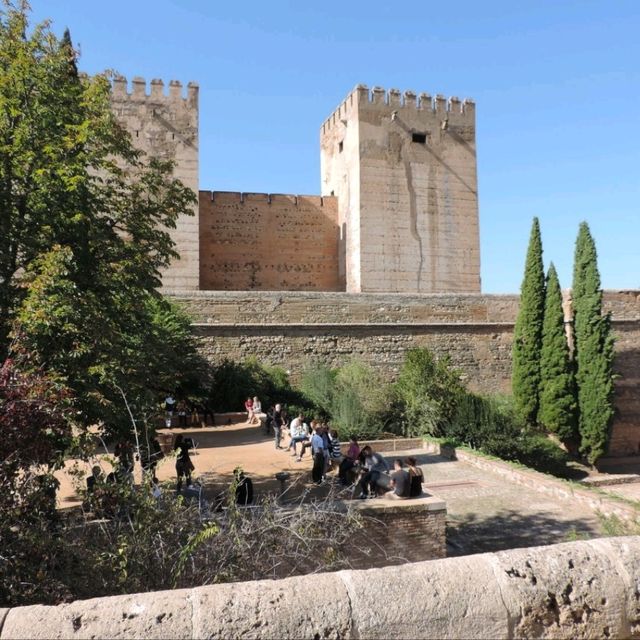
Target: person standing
184,466
317,451
277,421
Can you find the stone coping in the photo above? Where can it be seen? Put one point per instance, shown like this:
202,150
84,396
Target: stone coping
425,502
585,589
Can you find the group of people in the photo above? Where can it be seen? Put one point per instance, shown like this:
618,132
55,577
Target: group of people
253,407
368,471
188,413
371,476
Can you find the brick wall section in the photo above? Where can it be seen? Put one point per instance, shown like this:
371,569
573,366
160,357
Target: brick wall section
257,241
292,329
399,531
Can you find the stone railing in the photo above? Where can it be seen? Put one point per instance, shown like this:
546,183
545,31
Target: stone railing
577,589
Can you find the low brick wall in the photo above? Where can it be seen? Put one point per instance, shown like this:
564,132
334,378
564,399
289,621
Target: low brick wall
401,531
586,589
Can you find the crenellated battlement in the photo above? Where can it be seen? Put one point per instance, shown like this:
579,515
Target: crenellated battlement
462,111
240,197
154,90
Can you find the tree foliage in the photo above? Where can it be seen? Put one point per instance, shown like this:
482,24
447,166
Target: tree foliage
70,177
558,404
593,350
527,335
102,347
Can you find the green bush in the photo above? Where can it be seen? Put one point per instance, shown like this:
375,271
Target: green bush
354,397
492,425
233,382
430,391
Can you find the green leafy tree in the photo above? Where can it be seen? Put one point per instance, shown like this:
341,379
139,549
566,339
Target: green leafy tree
527,335
70,176
104,346
593,350
558,405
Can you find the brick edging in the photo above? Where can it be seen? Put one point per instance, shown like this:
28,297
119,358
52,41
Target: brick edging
538,481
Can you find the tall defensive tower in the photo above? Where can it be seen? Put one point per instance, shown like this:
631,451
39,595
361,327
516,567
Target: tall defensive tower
404,170
166,126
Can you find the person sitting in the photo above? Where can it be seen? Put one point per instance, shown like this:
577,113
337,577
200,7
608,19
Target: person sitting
244,488
349,461
399,482
376,476
299,432
248,407
307,444
257,411
416,478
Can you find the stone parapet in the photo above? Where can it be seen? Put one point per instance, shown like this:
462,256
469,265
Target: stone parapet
586,589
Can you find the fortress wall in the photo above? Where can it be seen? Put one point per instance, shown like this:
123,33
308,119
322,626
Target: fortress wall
291,329
586,589
165,125
258,241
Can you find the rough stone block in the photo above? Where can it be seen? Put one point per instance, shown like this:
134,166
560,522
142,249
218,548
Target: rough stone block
304,607
452,598
575,591
163,614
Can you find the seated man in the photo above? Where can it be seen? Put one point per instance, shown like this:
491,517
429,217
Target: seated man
299,432
400,483
376,476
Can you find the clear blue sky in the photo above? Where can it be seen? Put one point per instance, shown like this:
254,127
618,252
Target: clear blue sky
557,86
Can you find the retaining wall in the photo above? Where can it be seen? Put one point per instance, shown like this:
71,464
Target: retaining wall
588,589
291,329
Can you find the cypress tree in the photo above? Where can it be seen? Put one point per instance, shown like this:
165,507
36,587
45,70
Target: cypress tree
593,350
527,335
558,404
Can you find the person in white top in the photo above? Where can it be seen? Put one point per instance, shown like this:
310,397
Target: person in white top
257,409
299,432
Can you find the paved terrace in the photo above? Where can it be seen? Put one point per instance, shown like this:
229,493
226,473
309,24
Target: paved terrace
485,512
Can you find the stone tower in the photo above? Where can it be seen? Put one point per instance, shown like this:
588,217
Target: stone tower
166,126
404,170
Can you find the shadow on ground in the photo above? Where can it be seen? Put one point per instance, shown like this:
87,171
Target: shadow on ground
510,529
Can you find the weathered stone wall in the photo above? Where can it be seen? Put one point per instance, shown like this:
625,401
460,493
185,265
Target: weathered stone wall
404,170
166,126
475,330
258,241
585,589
